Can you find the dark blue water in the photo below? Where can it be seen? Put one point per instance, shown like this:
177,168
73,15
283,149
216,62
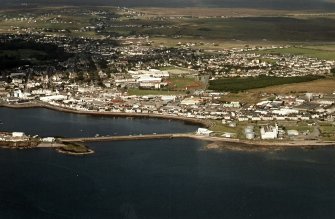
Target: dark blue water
46,122
173,178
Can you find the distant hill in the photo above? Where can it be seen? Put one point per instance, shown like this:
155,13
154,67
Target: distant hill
269,4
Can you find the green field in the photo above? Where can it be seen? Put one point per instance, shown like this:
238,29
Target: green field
327,131
241,84
184,84
308,52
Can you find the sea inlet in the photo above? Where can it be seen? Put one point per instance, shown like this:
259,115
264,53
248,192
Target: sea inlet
168,178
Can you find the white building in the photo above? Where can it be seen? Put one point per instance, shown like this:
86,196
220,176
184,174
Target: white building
168,98
190,101
269,132
48,139
203,131
17,93
17,134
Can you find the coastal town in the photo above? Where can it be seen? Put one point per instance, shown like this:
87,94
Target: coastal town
128,76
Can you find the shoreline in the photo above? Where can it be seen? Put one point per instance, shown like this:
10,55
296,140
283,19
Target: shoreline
212,139
213,143
250,143
193,121
267,144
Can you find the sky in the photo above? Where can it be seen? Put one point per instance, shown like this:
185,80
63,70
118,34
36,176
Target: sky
274,4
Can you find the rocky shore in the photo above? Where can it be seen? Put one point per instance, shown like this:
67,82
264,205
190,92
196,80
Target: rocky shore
19,144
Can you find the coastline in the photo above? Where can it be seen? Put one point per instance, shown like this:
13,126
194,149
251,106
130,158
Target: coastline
266,144
216,142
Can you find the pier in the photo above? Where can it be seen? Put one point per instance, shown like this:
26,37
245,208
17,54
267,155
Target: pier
126,137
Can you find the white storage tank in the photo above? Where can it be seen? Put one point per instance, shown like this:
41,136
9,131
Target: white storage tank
249,129
250,135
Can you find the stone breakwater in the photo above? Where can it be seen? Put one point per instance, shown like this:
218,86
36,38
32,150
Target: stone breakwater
217,140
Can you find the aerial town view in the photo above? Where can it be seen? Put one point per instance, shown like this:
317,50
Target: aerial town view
123,98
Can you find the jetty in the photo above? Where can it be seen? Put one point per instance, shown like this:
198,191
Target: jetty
126,137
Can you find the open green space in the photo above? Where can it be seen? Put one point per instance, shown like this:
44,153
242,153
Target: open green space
327,131
242,84
239,130
180,83
300,126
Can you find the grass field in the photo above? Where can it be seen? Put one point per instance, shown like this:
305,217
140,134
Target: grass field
220,129
300,126
185,84
318,86
253,96
316,52
327,131
242,84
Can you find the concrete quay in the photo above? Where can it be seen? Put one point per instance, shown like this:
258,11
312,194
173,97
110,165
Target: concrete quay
125,138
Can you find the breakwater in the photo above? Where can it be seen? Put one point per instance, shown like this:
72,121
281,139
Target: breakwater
258,143
125,138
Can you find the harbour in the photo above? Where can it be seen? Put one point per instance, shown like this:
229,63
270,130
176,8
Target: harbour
177,175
